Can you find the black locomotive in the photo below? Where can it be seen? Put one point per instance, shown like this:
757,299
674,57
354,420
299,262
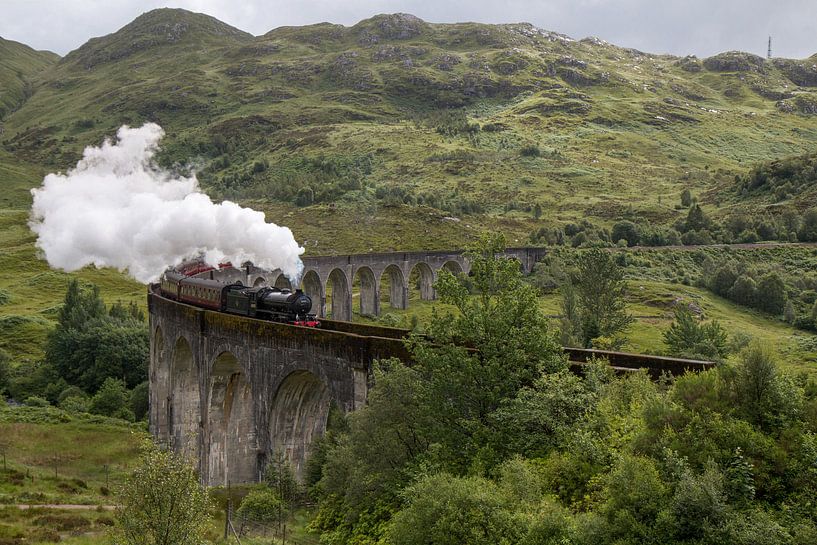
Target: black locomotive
280,305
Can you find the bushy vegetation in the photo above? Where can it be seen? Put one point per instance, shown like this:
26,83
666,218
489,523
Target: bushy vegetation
781,178
162,503
448,451
93,358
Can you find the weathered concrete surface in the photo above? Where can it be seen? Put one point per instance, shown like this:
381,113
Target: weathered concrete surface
229,392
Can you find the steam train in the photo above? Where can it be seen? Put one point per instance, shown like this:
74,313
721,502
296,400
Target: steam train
279,305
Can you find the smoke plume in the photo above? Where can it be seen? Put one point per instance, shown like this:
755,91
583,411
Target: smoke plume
118,209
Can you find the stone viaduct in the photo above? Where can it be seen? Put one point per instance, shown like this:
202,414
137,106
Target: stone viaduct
232,393
333,276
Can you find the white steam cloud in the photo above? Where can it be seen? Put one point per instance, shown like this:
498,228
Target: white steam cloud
118,209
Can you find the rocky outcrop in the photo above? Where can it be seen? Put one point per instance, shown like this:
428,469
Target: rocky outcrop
735,61
803,73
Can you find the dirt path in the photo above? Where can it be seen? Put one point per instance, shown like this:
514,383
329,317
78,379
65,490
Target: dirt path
64,506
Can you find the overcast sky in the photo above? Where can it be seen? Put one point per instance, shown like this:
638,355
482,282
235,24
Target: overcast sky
700,27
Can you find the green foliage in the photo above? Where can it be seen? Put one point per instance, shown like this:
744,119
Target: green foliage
688,338
89,344
626,230
138,402
111,398
808,230
739,477
448,510
280,477
771,294
635,497
600,308
686,198
5,368
34,401
766,397
162,503
260,506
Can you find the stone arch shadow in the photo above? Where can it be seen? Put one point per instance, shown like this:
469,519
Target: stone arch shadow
341,294
369,292
398,291
231,443
299,412
185,402
313,287
425,279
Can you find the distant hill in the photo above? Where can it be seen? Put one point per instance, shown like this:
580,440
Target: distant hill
494,124
18,65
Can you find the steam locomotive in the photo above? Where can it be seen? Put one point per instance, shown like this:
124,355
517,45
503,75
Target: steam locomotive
279,305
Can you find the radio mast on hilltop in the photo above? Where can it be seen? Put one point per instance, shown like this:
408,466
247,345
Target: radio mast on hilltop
769,51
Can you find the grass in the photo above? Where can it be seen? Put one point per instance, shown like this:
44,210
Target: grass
52,457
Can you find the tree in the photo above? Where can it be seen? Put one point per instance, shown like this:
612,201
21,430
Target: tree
772,293
723,279
600,289
89,345
626,230
765,395
500,319
696,220
743,291
447,510
686,198
110,399
162,503
686,337
138,402
808,229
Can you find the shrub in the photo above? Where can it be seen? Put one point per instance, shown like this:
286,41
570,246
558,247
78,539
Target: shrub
139,401
75,404
35,401
260,506
110,399
626,230
531,150
447,510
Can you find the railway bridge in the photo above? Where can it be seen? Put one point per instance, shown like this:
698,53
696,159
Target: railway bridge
233,393
332,278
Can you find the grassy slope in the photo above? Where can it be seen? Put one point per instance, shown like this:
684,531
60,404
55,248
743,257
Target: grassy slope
35,442
19,64
31,289
619,129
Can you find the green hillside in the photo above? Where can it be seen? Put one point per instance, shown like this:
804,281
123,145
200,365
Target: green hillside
485,121
19,64
396,133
